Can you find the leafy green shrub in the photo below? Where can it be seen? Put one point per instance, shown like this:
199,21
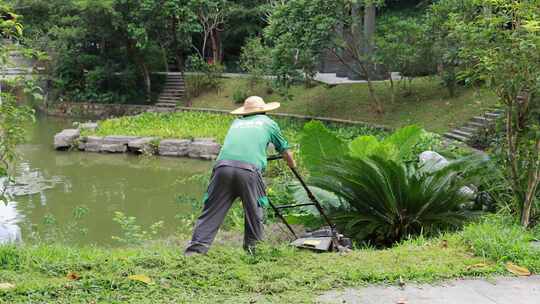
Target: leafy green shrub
390,201
206,76
375,188
256,60
502,239
240,94
404,145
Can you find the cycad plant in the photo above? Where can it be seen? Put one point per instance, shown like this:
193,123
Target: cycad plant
388,201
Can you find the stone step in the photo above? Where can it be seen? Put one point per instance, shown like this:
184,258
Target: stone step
470,129
165,105
175,97
173,90
493,115
482,119
463,133
174,93
168,100
477,125
455,136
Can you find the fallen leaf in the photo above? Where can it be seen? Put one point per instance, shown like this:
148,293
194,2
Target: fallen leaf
73,276
475,266
6,286
401,301
517,270
141,278
444,244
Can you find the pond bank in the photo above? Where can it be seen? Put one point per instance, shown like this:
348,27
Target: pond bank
198,148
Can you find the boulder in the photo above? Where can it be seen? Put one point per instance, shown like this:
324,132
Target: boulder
93,144
432,161
82,143
142,145
114,148
204,139
204,149
120,140
116,144
174,147
66,139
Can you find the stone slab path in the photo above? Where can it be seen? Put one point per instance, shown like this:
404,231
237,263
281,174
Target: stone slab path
472,291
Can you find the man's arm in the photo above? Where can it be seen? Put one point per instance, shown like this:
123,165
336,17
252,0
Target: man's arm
288,157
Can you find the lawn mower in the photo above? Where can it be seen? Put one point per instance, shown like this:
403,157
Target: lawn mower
326,239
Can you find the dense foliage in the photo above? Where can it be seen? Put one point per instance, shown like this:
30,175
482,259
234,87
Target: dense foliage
12,115
106,51
380,193
498,47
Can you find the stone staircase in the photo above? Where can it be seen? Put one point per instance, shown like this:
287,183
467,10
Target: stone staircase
172,92
475,126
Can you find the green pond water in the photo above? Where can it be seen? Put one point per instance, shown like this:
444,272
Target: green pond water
52,185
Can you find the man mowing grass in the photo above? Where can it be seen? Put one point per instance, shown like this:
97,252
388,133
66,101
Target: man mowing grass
237,173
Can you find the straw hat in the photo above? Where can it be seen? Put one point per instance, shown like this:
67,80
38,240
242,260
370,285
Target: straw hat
255,104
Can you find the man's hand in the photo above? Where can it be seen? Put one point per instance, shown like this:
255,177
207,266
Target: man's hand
288,156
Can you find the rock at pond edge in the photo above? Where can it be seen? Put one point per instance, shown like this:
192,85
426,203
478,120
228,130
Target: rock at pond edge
66,139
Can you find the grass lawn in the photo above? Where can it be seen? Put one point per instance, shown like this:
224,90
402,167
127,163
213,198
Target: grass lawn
277,273
429,105
63,274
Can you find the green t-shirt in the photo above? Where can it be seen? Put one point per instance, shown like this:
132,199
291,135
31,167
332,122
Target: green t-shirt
248,138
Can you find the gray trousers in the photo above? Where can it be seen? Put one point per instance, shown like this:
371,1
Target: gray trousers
230,180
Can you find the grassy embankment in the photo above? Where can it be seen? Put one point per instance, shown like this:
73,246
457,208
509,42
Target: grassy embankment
63,274
429,105
196,124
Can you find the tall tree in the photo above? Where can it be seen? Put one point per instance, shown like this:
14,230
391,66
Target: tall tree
174,27
302,31
133,19
498,45
212,15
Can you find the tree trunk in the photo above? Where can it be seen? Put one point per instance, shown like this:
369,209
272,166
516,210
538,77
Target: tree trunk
392,88
379,108
534,179
147,80
356,25
164,57
141,64
370,13
214,39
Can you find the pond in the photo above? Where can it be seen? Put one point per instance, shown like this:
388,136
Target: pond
55,188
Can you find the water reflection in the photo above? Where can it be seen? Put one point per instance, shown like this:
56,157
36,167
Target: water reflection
53,185
10,232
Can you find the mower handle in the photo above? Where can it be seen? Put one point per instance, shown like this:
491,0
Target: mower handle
310,194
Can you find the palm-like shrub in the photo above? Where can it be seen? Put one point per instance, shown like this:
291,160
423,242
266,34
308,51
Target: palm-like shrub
387,201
